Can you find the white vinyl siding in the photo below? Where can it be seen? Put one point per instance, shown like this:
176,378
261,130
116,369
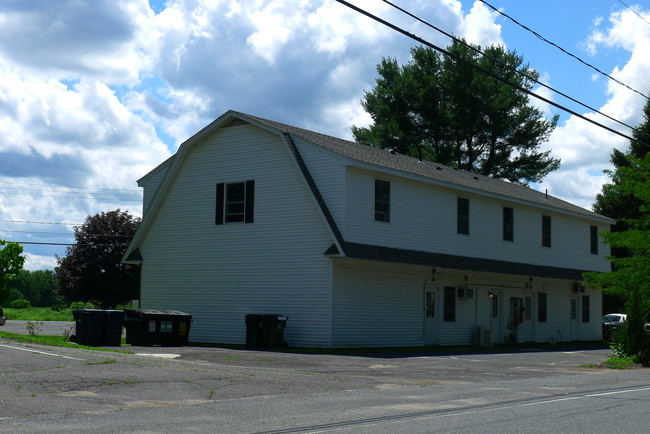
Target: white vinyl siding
328,170
150,184
424,218
276,265
220,273
377,305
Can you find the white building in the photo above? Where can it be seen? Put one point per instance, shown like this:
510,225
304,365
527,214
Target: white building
359,246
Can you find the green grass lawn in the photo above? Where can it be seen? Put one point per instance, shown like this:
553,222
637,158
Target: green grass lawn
38,314
55,341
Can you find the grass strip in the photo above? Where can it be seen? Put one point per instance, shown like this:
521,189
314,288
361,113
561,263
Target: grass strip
54,341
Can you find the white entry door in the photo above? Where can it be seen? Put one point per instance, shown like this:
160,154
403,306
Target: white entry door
496,316
528,330
575,331
430,329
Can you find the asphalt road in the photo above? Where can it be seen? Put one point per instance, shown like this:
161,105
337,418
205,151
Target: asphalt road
192,389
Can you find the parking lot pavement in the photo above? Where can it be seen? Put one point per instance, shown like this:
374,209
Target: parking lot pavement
208,389
468,364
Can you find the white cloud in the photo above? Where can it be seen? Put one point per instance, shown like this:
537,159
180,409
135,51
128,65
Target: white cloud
39,262
479,26
68,38
94,94
585,149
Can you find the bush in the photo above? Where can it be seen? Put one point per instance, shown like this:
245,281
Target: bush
21,303
38,314
77,305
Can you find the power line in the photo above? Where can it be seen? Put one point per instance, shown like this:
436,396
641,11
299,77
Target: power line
42,244
66,244
515,70
71,192
40,223
484,71
69,234
102,199
637,14
76,188
562,49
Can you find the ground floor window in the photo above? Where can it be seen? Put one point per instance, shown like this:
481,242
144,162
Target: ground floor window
585,308
495,305
449,304
430,304
541,307
574,308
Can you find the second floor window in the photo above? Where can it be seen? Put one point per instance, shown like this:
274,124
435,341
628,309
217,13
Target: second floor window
594,240
462,220
508,224
235,202
546,231
382,200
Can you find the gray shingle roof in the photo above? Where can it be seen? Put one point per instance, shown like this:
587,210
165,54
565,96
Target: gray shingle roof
434,171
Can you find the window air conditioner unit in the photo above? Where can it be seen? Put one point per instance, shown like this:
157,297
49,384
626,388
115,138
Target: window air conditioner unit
465,292
577,287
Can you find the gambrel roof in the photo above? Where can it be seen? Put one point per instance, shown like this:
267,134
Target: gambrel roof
435,171
389,162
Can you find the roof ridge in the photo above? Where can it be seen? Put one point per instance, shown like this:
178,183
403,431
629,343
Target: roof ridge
460,178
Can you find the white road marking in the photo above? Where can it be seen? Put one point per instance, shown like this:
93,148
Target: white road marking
39,352
618,391
161,355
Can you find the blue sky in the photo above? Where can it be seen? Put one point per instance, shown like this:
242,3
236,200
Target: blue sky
94,94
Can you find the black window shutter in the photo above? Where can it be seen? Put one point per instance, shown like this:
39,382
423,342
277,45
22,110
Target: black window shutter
218,216
250,201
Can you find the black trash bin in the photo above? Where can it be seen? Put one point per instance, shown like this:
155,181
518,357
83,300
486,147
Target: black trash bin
265,331
112,330
254,331
147,327
98,327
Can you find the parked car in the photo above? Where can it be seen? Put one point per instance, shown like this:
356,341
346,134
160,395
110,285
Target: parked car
612,321
3,320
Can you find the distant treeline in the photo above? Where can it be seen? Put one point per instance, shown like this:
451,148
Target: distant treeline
39,287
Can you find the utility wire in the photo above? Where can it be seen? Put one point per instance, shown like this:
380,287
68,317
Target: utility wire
40,223
476,50
484,71
68,234
42,244
637,14
40,190
76,188
100,199
67,244
562,49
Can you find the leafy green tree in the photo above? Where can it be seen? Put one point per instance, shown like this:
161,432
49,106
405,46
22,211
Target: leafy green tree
440,109
40,287
11,262
92,270
615,202
630,275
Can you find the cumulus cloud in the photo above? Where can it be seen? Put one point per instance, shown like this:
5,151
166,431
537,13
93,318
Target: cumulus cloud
93,94
479,26
585,149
